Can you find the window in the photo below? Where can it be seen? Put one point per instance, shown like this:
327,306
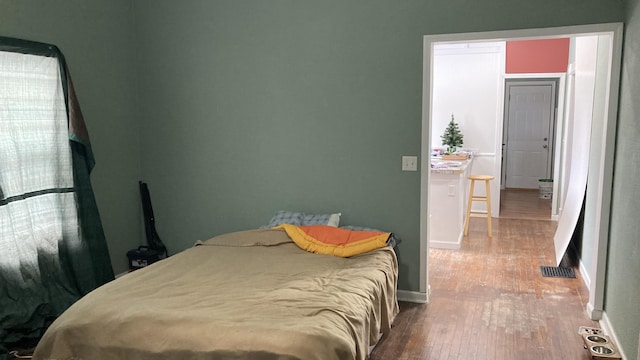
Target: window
36,177
52,245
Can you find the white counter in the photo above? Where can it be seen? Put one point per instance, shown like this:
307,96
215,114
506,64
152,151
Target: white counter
447,202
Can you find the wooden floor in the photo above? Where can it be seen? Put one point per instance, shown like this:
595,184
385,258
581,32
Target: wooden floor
489,301
524,204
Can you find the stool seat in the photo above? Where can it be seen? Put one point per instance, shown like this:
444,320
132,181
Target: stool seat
480,177
486,199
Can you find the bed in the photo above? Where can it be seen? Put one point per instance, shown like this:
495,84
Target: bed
251,294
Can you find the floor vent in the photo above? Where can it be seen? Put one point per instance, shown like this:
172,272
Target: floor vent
558,272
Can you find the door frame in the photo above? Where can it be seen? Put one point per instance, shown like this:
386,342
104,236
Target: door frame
505,123
559,130
604,184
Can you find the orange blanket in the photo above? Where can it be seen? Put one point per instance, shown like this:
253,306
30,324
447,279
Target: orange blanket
322,239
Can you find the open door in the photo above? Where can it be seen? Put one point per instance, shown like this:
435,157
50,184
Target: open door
578,124
589,155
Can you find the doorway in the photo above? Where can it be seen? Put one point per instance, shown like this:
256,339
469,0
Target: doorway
602,175
528,132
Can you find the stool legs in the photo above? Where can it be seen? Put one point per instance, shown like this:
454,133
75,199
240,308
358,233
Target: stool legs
488,208
466,219
486,199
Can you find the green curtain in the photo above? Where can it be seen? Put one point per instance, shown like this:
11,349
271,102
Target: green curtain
47,281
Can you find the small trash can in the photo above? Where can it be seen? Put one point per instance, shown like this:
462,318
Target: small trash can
141,257
546,188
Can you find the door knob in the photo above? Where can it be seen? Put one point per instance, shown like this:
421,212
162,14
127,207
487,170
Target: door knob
544,146
545,139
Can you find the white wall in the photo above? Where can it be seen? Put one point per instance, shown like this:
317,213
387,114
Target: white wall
468,83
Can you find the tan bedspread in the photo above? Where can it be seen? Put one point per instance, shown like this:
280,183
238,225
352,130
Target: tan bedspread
246,295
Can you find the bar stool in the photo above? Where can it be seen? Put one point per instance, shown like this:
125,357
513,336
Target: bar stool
472,198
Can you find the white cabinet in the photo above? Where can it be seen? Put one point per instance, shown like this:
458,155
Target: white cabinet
447,205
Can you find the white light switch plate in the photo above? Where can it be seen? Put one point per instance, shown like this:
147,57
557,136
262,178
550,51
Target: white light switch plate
409,163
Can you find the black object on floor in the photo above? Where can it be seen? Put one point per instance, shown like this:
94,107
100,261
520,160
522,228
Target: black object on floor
153,239
558,272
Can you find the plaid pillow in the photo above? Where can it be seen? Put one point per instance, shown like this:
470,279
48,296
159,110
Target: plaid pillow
298,219
285,217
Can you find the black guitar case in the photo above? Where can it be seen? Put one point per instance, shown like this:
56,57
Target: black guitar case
153,239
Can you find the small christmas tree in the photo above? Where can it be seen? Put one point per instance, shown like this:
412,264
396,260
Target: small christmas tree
452,136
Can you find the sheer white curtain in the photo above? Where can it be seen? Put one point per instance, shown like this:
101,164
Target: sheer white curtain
37,207
52,244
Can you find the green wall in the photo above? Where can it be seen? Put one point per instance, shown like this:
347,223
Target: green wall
96,38
249,107
237,109
623,267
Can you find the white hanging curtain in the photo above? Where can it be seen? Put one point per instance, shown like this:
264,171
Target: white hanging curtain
35,163
52,246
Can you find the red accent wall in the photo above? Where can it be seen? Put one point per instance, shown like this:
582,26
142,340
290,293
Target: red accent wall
537,56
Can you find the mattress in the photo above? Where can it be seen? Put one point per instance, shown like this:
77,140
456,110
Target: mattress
245,295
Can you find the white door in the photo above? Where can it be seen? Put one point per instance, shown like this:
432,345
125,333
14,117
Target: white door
530,114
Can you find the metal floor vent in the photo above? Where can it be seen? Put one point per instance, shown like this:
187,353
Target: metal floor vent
558,272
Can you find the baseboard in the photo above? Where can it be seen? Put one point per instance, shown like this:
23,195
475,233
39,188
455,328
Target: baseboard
586,280
412,296
585,275
608,330
122,274
595,315
438,244
435,244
